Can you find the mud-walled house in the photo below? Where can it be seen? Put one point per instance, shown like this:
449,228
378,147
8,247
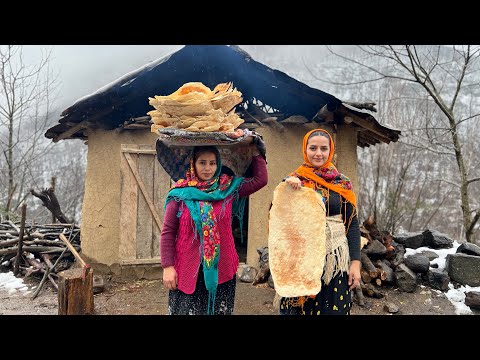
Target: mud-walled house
125,186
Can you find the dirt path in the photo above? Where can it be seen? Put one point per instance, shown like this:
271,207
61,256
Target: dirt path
148,297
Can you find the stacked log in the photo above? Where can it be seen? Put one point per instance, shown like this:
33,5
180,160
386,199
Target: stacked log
42,251
379,257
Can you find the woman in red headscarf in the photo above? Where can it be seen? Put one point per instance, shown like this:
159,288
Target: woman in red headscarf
341,273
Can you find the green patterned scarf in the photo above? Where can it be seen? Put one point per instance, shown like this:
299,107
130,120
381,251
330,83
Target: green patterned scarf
198,197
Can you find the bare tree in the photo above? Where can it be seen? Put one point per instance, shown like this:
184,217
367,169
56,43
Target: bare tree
67,162
449,78
26,95
395,179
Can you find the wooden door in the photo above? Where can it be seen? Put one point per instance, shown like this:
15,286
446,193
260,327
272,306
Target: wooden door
144,187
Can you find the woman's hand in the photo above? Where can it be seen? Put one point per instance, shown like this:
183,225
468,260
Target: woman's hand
170,278
294,182
354,274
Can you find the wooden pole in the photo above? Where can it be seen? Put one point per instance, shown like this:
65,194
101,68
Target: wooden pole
20,240
73,251
54,180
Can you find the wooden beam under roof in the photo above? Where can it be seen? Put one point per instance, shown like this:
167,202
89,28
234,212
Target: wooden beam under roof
368,126
370,137
66,134
326,114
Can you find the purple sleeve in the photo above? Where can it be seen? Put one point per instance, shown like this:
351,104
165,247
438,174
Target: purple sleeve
169,234
259,178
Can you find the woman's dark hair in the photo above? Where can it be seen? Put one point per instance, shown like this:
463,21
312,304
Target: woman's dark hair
318,133
198,150
226,170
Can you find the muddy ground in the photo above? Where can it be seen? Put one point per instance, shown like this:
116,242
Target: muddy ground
148,297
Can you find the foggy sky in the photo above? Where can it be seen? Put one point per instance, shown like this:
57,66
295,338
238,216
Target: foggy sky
83,69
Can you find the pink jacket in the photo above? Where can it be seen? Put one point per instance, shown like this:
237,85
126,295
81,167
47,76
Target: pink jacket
181,248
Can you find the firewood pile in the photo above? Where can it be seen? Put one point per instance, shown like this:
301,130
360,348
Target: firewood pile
42,251
380,255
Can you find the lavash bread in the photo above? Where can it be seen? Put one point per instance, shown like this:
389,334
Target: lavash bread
194,107
296,240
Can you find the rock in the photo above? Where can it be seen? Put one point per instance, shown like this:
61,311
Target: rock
390,308
246,273
429,254
438,279
436,240
412,240
98,284
417,263
472,299
406,278
463,268
469,249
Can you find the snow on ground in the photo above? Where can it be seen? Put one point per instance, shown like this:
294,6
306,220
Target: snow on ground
456,296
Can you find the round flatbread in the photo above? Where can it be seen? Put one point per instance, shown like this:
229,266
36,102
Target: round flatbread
296,240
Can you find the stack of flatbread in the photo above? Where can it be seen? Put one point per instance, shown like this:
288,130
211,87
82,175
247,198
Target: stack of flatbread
194,107
296,240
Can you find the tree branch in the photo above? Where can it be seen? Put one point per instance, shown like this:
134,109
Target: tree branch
50,201
472,180
473,223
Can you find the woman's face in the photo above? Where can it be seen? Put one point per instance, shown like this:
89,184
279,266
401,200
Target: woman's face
318,150
206,166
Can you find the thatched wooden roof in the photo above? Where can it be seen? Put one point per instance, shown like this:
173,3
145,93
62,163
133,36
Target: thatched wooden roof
268,94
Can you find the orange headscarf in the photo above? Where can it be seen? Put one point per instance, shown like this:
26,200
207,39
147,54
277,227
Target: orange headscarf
327,176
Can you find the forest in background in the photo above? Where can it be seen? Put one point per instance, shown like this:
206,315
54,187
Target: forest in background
410,185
